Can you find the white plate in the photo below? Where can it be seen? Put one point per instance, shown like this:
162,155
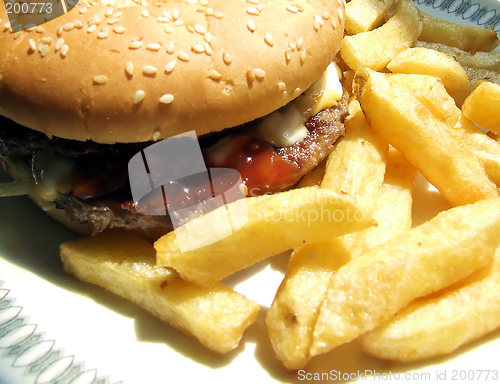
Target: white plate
55,328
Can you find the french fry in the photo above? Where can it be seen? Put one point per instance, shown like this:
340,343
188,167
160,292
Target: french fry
481,60
437,325
430,62
430,91
293,218
125,265
423,139
467,38
392,208
374,49
364,15
483,106
356,168
486,149
369,290
290,320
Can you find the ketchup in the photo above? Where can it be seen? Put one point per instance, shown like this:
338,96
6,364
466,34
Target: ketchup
262,170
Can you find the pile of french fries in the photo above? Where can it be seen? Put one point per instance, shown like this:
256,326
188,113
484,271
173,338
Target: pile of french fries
420,88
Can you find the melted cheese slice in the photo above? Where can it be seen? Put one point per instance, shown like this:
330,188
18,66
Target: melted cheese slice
285,127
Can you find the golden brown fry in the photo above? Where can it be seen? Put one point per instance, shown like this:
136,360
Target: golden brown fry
426,61
125,265
423,139
483,106
276,223
439,324
367,291
430,91
486,149
356,167
364,15
374,49
467,38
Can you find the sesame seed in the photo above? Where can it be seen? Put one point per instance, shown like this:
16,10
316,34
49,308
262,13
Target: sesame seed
59,31
156,135
119,29
129,68
59,43
325,15
78,24
292,8
204,2
109,12
178,23
113,20
100,79
300,43
208,37
189,28
214,75
94,20
64,50
296,92
281,86
218,15
254,2
198,48
269,39
226,57
292,45
145,13
200,29
209,11
250,76
68,27
169,68
170,47
167,98
83,10
260,7
102,35
163,19
316,26
319,19
167,15
135,44
32,45
149,70
208,49
259,73
288,56
43,49
251,25
47,39
118,14
153,47
139,96
200,9
183,56
253,11
92,28
38,29
168,29
303,56
175,14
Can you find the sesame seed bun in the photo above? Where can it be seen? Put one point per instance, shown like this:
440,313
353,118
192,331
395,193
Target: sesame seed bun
129,73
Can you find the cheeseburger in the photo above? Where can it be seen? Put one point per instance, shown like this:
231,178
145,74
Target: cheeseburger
82,94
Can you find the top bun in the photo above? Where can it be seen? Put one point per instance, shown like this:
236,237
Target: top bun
116,71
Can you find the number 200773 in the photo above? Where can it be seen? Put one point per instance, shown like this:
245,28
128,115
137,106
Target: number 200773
31,8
